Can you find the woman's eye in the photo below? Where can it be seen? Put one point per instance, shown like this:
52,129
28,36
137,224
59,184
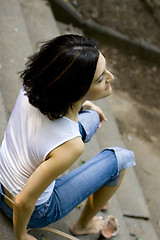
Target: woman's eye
100,79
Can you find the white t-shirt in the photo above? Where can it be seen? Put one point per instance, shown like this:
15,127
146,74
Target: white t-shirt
28,139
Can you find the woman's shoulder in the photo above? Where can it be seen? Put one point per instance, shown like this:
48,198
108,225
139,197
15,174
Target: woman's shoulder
71,148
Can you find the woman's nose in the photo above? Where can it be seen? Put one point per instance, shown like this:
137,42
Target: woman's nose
109,75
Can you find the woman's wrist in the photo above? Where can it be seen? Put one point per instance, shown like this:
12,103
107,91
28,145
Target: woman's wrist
86,106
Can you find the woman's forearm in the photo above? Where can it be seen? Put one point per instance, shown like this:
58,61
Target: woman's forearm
21,216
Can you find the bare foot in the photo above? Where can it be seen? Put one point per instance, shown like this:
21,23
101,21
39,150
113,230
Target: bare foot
94,226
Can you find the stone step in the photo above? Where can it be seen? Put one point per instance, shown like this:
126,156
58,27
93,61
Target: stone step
15,47
40,22
129,196
130,184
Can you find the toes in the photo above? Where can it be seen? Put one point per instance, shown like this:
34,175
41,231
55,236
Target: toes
98,218
99,222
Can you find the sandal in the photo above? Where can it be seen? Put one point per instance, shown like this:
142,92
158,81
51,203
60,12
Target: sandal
112,227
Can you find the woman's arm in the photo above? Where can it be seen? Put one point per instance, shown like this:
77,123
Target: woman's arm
57,162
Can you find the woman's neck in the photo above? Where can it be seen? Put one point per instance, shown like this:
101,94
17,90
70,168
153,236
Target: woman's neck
73,111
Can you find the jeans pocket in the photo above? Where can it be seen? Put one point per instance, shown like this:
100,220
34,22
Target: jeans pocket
41,215
42,210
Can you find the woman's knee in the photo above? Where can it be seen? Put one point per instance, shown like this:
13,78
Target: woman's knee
124,159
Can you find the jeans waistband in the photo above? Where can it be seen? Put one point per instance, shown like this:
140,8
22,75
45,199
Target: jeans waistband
7,200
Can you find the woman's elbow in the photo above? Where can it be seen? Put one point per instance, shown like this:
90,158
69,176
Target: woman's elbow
21,203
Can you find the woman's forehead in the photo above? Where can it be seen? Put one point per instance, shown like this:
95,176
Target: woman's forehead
101,66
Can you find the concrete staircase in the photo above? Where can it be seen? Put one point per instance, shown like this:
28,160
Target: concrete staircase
23,24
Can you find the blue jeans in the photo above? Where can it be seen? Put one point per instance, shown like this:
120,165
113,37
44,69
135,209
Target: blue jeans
71,189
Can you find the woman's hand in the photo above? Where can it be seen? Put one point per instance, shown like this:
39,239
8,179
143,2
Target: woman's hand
94,107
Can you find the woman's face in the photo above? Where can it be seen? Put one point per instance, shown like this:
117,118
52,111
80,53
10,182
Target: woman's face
100,87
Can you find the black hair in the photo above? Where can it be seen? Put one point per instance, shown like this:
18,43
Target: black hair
60,74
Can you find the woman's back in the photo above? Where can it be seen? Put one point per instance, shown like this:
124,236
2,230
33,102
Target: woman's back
29,137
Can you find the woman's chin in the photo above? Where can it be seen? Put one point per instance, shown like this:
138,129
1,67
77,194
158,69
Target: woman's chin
108,92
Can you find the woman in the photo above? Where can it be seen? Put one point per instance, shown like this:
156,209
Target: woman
45,136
